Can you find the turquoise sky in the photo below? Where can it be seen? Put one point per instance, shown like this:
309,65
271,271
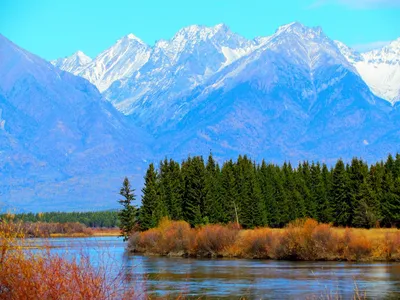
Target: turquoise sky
57,28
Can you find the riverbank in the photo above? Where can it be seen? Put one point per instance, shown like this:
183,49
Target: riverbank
303,240
56,230
91,232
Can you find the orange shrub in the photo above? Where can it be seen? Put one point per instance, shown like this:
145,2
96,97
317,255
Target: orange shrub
176,237
387,248
356,246
24,275
212,240
307,240
325,242
170,238
257,243
296,241
303,239
148,241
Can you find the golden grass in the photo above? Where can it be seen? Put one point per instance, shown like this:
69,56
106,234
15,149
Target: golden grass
99,232
373,233
106,232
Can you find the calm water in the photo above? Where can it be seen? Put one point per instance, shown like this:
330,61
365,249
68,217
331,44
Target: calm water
232,278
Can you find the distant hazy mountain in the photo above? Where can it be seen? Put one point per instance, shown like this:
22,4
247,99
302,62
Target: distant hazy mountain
62,145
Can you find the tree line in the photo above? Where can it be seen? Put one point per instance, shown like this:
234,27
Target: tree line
348,194
107,219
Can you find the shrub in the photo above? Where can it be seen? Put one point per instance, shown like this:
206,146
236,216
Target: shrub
391,246
170,238
324,242
356,246
303,239
148,241
212,240
24,275
257,243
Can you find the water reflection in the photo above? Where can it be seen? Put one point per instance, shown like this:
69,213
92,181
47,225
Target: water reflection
232,278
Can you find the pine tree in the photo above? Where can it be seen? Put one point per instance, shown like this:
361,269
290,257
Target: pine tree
366,211
357,174
265,175
321,194
153,207
304,186
229,194
283,202
193,202
212,206
341,196
390,202
171,191
252,207
296,205
175,191
128,214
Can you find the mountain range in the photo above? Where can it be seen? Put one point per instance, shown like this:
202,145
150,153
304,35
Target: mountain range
294,95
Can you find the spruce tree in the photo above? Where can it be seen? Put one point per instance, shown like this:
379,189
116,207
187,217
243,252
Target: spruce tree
321,194
212,206
171,188
296,204
153,207
390,202
128,214
283,201
304,187
194,194
366,211
175,191
341,196
229,194
265,175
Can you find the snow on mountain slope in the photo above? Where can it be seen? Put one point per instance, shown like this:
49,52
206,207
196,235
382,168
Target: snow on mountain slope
295,97
57,132
174,69
185,55
73,63
380,69
121,60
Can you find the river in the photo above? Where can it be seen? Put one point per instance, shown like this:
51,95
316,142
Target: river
233,278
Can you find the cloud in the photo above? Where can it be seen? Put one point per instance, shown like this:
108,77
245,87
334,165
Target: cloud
370,46
359,4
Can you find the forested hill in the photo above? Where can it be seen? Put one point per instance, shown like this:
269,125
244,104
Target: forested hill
199,192
107,219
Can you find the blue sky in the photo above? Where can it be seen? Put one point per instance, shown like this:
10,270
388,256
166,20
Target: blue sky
57,28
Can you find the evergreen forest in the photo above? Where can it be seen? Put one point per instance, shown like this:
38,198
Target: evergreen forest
199,191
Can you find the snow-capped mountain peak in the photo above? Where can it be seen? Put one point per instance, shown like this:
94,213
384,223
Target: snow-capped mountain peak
380,68
302,44
130,39
389,54
197,52
200,32
72,63
119,61
300,30
351,55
